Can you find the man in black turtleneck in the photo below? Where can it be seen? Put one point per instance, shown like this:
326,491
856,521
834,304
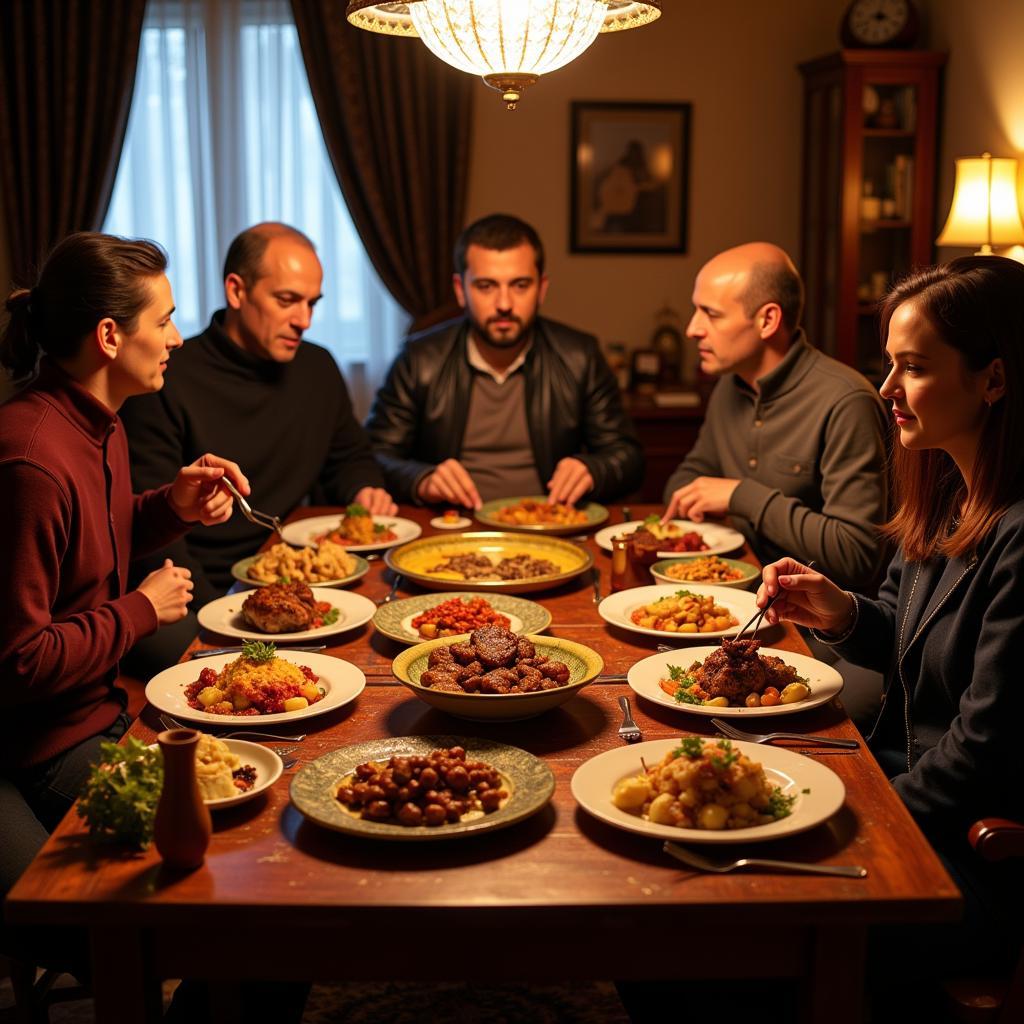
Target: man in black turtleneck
250,386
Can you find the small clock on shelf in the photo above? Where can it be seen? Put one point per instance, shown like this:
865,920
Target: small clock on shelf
880,23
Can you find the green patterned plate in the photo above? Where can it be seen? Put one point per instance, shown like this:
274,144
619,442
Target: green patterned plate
240,570
529,780
747,581
395,618
584,665
488,514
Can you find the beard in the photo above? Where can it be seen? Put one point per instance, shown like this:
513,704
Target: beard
484,330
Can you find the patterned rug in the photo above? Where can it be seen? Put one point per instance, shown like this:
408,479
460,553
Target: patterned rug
408,1003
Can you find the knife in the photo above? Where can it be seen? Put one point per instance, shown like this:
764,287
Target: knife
238,650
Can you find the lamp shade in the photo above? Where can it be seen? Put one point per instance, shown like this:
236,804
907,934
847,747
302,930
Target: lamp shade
984,211
509,43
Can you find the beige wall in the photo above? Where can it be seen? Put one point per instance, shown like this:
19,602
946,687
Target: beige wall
983,106
735,61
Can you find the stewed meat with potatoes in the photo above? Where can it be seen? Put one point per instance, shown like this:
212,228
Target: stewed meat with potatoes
736,669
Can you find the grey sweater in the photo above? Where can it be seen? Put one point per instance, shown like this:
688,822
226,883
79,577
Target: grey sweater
809,450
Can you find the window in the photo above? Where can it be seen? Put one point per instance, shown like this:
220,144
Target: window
223,133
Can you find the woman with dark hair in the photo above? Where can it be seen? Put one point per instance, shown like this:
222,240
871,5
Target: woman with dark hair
948,627
95,329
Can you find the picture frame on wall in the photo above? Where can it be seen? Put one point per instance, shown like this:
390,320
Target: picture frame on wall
629,177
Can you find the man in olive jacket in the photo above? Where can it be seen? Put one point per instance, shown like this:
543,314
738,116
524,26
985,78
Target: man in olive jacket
502,403
793,443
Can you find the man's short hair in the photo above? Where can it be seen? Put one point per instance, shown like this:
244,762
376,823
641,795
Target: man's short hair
245,254
498,231
775,282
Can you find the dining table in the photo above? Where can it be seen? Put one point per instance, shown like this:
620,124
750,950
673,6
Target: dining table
560,895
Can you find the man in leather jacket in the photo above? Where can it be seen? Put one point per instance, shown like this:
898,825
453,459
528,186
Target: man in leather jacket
503,402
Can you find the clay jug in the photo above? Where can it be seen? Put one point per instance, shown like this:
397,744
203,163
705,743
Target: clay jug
182,827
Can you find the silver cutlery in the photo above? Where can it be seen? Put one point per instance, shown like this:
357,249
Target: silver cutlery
695,860
289,762
667,649
766,737
238,650
281,751
628,730
246,734
595,575
627,514
393,590
268,522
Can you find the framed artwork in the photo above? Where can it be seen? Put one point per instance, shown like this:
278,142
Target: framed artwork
629,177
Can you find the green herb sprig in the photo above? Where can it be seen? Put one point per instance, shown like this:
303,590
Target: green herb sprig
689,746
355,509
256,650
122,791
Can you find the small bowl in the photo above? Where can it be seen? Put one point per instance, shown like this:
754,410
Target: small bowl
751,574
584,665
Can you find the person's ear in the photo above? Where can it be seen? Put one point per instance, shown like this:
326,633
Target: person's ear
769,320
234,290
459,289
108,338
995,384
543,289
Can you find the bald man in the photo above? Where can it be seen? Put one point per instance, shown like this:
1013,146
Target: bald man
250,384
793,443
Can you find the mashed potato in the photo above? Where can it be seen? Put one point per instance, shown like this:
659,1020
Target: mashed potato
214,767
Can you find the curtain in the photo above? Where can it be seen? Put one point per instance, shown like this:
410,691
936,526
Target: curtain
396,122
66,73
224,134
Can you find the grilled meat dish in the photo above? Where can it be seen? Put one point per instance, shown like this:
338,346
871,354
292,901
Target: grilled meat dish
280,608
736,669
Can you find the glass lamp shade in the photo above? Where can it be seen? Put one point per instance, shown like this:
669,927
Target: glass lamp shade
509,43
984,211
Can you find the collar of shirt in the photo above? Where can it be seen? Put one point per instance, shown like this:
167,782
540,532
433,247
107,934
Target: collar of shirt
786,376
477,361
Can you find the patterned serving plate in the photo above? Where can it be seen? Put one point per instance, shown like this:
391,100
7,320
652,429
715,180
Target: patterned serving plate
748,581
488,515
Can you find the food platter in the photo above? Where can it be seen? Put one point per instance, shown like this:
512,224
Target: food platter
818,790
394,619
303,532
719,539
825,682
224,616
529,780
240,571
342,681
415,560
749,580
617,608
584,664
488,515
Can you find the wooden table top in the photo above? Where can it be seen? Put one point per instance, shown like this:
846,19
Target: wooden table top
267,866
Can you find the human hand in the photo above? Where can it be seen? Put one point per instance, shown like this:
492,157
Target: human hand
451,484
376,501
705,496
805,597
197,497
169,590
569,482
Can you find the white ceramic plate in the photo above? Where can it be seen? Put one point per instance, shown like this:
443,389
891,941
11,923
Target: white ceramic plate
617,608
268,767
819,792
342,681
303,532
825,682
224,616
459,523
240,570
719,539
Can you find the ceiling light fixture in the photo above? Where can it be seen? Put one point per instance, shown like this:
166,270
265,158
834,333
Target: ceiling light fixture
509,43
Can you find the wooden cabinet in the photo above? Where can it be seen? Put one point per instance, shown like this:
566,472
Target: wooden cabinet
868,197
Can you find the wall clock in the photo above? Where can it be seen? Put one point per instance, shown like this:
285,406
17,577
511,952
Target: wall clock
880,23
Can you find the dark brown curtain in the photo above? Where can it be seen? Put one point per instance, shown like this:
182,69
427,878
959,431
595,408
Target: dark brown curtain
396,122
67,69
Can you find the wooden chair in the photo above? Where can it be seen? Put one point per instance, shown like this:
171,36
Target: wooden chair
995,1000
35,992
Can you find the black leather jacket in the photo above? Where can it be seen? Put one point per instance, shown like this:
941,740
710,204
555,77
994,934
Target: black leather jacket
573,409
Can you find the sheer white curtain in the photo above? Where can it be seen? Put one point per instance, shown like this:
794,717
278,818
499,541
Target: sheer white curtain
222,134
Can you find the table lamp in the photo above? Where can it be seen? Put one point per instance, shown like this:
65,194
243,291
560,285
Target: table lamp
984,210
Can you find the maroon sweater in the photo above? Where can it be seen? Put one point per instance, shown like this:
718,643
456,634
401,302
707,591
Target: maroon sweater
69,524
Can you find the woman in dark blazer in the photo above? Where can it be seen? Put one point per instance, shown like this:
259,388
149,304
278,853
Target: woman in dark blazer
948,627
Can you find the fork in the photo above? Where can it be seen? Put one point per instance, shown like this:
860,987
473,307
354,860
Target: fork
394,589
172,723
629,730
695,860
268,522
767,737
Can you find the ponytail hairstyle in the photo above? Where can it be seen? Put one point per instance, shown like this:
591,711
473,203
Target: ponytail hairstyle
86,278
976,305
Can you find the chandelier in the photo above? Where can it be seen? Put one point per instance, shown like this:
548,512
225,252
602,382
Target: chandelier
509,43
